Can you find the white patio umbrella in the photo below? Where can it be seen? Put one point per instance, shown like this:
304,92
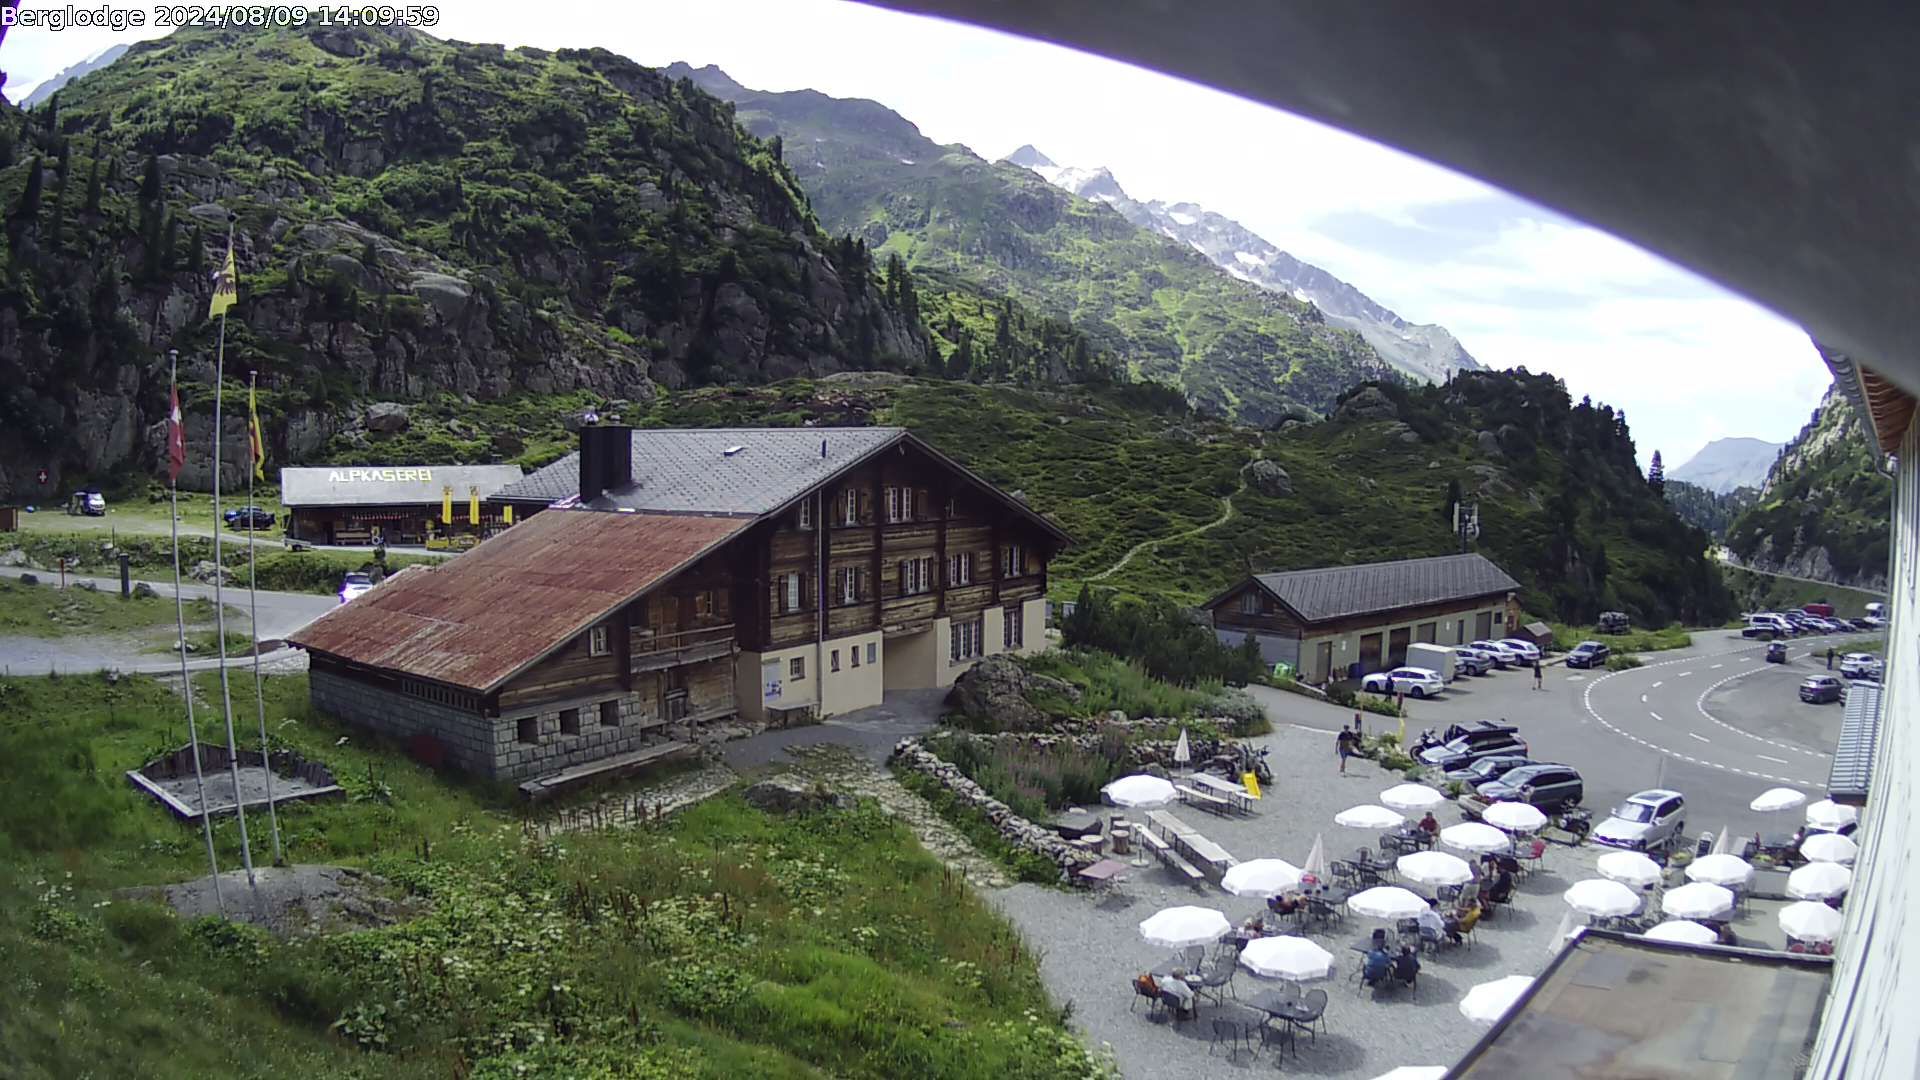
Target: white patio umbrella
1829,847
1434,868
1568,929
1490,1001
1180,927
1182,753
1819,881
1829,816
1684,931
1368,816
1810,920
1697,900
1723,843
1386,902
1411,797
1514,817
1414,1072
1720,870
1139,790
1316,863
1261,877
1292,958
1601,897
1475,837
1774,800
1629,868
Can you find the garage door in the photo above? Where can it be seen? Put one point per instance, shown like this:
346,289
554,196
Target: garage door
1369,653
1397,646
1483,626
1274,648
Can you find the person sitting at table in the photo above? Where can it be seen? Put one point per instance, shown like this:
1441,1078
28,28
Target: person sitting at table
1429,825
1465,919
1406,966
1290,903
1501,891
1723,932
1378,964
1432,925
1176,984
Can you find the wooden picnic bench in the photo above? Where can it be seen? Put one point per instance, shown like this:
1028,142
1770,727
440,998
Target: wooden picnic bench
1236,796
1187,842
1173,860
1195,797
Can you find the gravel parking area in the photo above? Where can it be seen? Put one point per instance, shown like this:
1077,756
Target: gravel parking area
1091,947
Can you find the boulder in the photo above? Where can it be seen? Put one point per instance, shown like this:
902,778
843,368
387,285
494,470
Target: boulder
1368,404
789,794
29,579
1269,478
15,557
996,689
1488,444
388,417
143,591
206,571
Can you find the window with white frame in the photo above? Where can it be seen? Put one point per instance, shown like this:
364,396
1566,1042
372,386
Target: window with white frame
797,668
850,507
703,604
1250,603
597,641
793,593
965,640
916,575
873,652
853,655
1013,635
806,513
833,660
960,569
1013,561
850,584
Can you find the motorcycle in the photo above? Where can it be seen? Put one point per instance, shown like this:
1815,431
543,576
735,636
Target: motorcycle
1577,822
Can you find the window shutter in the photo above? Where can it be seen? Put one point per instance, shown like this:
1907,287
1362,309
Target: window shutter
906,579
866,506
723,603
919,504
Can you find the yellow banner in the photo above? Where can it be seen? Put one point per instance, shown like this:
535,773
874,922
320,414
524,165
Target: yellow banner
446,505
473,506
506,513
226,286
259,442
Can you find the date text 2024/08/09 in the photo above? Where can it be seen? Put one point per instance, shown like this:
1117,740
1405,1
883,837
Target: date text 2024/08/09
170,16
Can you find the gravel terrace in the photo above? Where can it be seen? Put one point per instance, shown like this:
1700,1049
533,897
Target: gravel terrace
1091,948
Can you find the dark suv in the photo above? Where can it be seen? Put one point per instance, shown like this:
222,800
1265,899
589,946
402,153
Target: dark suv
251,518
1588,654
1466,745
1548,787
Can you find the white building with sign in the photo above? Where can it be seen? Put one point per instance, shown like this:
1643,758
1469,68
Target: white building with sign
394,504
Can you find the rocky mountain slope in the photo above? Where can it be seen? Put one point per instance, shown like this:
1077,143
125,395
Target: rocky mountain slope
415,217
66,75
1426,352
1725,464
1825,509
964,224
1711,511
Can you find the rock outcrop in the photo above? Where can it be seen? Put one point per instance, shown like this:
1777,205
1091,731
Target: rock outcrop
995,693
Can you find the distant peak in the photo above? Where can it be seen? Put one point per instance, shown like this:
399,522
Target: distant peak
708,77
1027,157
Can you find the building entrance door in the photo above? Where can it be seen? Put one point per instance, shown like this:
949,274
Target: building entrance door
1483,625
1322,661
1369,653
1397,646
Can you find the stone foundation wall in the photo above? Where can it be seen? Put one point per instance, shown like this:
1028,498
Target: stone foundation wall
554,749
468,739
1012,827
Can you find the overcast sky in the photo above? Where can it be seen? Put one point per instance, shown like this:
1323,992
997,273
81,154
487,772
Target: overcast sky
1519,285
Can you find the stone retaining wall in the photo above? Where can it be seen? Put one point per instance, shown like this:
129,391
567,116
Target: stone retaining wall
1012,827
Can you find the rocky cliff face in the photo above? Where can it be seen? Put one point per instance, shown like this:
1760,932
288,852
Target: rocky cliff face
415,218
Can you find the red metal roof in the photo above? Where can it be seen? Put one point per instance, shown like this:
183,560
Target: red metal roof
480,618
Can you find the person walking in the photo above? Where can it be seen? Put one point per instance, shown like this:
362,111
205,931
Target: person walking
1536,673
1343,745
1829,658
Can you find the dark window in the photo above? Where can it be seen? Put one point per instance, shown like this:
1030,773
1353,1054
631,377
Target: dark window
569,721
797,668
610,714
529,729
833,662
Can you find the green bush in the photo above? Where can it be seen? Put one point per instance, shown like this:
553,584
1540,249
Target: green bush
1247,716
1106,683
1162,637
139,924
1380,705
1035,780
1635,640
1623,662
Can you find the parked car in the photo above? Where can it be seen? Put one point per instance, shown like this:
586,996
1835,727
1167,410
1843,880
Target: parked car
1860,623
87,501
355,584
1416,682
1464,746
1588,654
1820,689
251,518
1502,655
1859,665
1548,787
1777,652
1488,768
1614,622
1767,626
1529,652
1646,821
1471,660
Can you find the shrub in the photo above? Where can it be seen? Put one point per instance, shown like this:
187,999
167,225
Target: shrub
139,924
1163,637
1035,780
1247,716
1623,662
1374,704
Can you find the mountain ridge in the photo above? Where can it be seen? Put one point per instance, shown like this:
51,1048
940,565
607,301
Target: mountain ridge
1727,464
1825,510
1426,351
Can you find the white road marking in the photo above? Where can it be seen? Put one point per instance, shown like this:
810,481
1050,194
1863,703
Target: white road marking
1643,699
1775,760
1717,667
1656,685
1702,738
1683,675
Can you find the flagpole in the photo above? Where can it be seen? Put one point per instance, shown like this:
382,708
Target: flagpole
180,622
257,452
219,594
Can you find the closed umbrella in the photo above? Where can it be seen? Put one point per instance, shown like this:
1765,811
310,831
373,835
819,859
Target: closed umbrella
1774,800
1182,753
1181,927
1368,816
1629,868
1829,847
1810,920
1316,863
1293,958
1819,881
1720,870
1475,837
1261,877
1490,1001
1411,797
1683,931
1514,817
1434,868
1415,1072
1602,898
1568,929
1697,900
1386,902
1829,816
1139,790
1722,844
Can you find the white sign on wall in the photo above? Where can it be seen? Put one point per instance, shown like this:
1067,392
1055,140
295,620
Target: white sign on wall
770,688
350,476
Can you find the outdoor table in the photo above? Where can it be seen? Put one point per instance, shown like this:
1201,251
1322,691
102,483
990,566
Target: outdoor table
1283,1006
1103,873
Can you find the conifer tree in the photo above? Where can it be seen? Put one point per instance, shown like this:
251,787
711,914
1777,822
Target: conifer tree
6,147
95,187
28,207
1657,476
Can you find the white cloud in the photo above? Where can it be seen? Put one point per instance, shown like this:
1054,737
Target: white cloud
1518,284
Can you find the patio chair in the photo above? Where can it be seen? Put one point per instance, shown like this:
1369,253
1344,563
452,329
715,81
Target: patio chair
1175,1008
1236,1031
1533,856
1447,894
1469,893
1342,871
1143,987
1192,955
1313,1013
1217,983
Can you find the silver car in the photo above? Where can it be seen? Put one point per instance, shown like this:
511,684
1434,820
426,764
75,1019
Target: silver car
1646,821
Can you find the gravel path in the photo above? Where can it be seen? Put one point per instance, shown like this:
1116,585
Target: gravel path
1091,948
1226,515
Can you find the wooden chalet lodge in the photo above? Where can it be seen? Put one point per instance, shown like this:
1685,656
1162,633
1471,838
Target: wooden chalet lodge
682,577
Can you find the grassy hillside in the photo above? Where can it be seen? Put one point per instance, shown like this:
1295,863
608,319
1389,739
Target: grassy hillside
726,943
1826,507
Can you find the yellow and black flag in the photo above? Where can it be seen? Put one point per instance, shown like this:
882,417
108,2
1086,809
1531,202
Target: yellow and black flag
226,286
253,429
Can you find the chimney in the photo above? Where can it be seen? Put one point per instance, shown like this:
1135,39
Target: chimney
606,460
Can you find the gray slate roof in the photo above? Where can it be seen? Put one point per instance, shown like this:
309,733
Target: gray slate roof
687,470
1338,591
381,485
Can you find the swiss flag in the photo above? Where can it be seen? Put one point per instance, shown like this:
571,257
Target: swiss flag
176,437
